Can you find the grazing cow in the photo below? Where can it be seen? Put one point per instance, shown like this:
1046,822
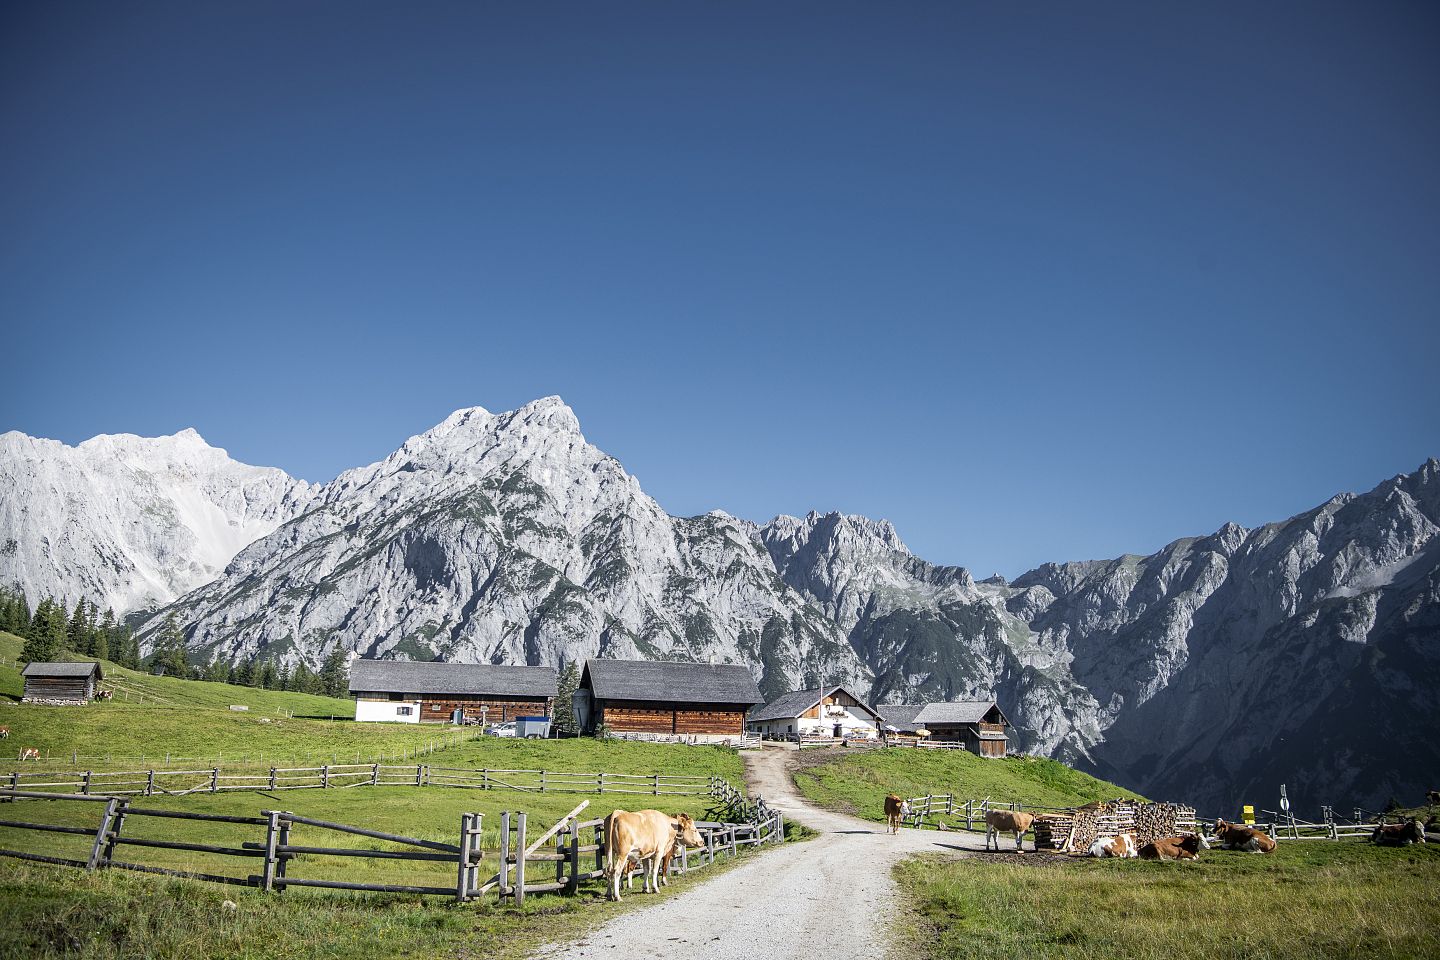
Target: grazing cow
644,835
1232,836
1398,834
1121,845
29,753
4,733
998,821
896,810
1187,846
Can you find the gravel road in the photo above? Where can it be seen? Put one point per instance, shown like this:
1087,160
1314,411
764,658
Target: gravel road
831,895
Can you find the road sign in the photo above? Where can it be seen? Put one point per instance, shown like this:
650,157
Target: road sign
1284,800
1248,814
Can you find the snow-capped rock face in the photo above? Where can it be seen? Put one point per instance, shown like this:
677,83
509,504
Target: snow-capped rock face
1304,652
128,522
509,539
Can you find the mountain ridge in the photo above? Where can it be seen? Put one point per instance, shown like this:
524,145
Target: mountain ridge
507,537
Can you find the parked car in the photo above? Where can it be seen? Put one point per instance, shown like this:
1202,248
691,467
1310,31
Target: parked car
502,729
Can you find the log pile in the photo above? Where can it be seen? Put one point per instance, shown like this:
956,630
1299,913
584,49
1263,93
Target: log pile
1074,830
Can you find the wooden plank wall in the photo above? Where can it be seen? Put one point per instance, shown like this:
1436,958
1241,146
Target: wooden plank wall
624,716
68,688
498,710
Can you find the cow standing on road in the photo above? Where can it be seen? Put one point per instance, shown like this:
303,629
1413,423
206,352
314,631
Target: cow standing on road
896,810
1006,821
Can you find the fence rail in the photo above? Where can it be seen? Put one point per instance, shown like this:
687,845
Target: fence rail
341,775
522,867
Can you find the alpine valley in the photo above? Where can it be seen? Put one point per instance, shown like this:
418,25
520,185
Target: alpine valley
1304,652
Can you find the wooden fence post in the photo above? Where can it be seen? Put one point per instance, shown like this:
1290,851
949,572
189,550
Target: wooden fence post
520,859
656,789
283,859
542,781
272,830
272,778
85,783
419,775
462,878
117,823
101,834
325,776
600,845
504,853
600,783
375,775
149,782
214,779
560,846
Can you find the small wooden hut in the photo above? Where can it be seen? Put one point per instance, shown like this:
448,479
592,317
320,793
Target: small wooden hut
978,725
66,684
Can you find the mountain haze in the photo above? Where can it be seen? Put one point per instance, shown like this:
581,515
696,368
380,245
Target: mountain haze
1304,651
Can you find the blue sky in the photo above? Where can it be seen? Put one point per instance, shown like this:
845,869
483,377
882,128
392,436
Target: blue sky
1034,281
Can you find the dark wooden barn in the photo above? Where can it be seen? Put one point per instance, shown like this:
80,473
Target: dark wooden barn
702,701
978,725
403,691
61,683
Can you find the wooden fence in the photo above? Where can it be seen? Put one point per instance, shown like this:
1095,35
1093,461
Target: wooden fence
402,752
340,775
523,866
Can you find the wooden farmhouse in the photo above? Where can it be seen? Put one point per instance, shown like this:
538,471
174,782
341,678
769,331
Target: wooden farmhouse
978,725
61,683
703,702
404,691
827,712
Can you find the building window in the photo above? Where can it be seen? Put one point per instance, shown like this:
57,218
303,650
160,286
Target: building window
402,711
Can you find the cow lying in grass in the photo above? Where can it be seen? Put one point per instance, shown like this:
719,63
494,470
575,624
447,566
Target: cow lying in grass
1398,834
1121,846
645,835
1006,821
1232,836
896,810
1187,846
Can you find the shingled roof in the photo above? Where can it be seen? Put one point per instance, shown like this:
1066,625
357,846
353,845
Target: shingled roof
42,669
790,705
408,676
669,681
908,716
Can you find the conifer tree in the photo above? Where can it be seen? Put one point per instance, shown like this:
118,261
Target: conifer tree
266,676
170,649
303,679
563,713
77,634
40,643
334,674
244,674
218,671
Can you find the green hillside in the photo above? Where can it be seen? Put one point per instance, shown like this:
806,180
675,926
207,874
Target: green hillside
152,718
856,782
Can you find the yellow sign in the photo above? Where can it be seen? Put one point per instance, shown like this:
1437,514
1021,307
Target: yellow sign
1248,814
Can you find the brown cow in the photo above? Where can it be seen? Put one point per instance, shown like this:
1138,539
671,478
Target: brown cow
1398,834
997,821
645,835
1232,836
896,810
4,733
29,753
1187,846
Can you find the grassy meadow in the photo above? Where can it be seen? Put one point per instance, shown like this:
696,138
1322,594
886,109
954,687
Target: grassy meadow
856,781
58,911
1308,899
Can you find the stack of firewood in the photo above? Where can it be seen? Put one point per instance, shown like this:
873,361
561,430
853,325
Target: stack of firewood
1073,831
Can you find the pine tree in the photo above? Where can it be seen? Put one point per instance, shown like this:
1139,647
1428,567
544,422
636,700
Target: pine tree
77,634
170,649
40,643
335,674
127,648
218,671
267,675
563,713
282,682
303,680
244,674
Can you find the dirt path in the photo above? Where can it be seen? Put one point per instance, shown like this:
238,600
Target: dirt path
832,893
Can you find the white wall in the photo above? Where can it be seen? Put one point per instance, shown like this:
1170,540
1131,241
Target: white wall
387,711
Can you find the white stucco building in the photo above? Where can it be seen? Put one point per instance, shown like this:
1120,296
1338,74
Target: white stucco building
827,712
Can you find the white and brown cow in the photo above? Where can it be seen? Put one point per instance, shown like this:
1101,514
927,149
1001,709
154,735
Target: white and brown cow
1006,821
896,810
29,753
1232,836
1122,846
1187,846
4,733
645,835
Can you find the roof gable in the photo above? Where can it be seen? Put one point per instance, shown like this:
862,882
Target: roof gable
66,670
408,676
791,705
910,715
670,681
